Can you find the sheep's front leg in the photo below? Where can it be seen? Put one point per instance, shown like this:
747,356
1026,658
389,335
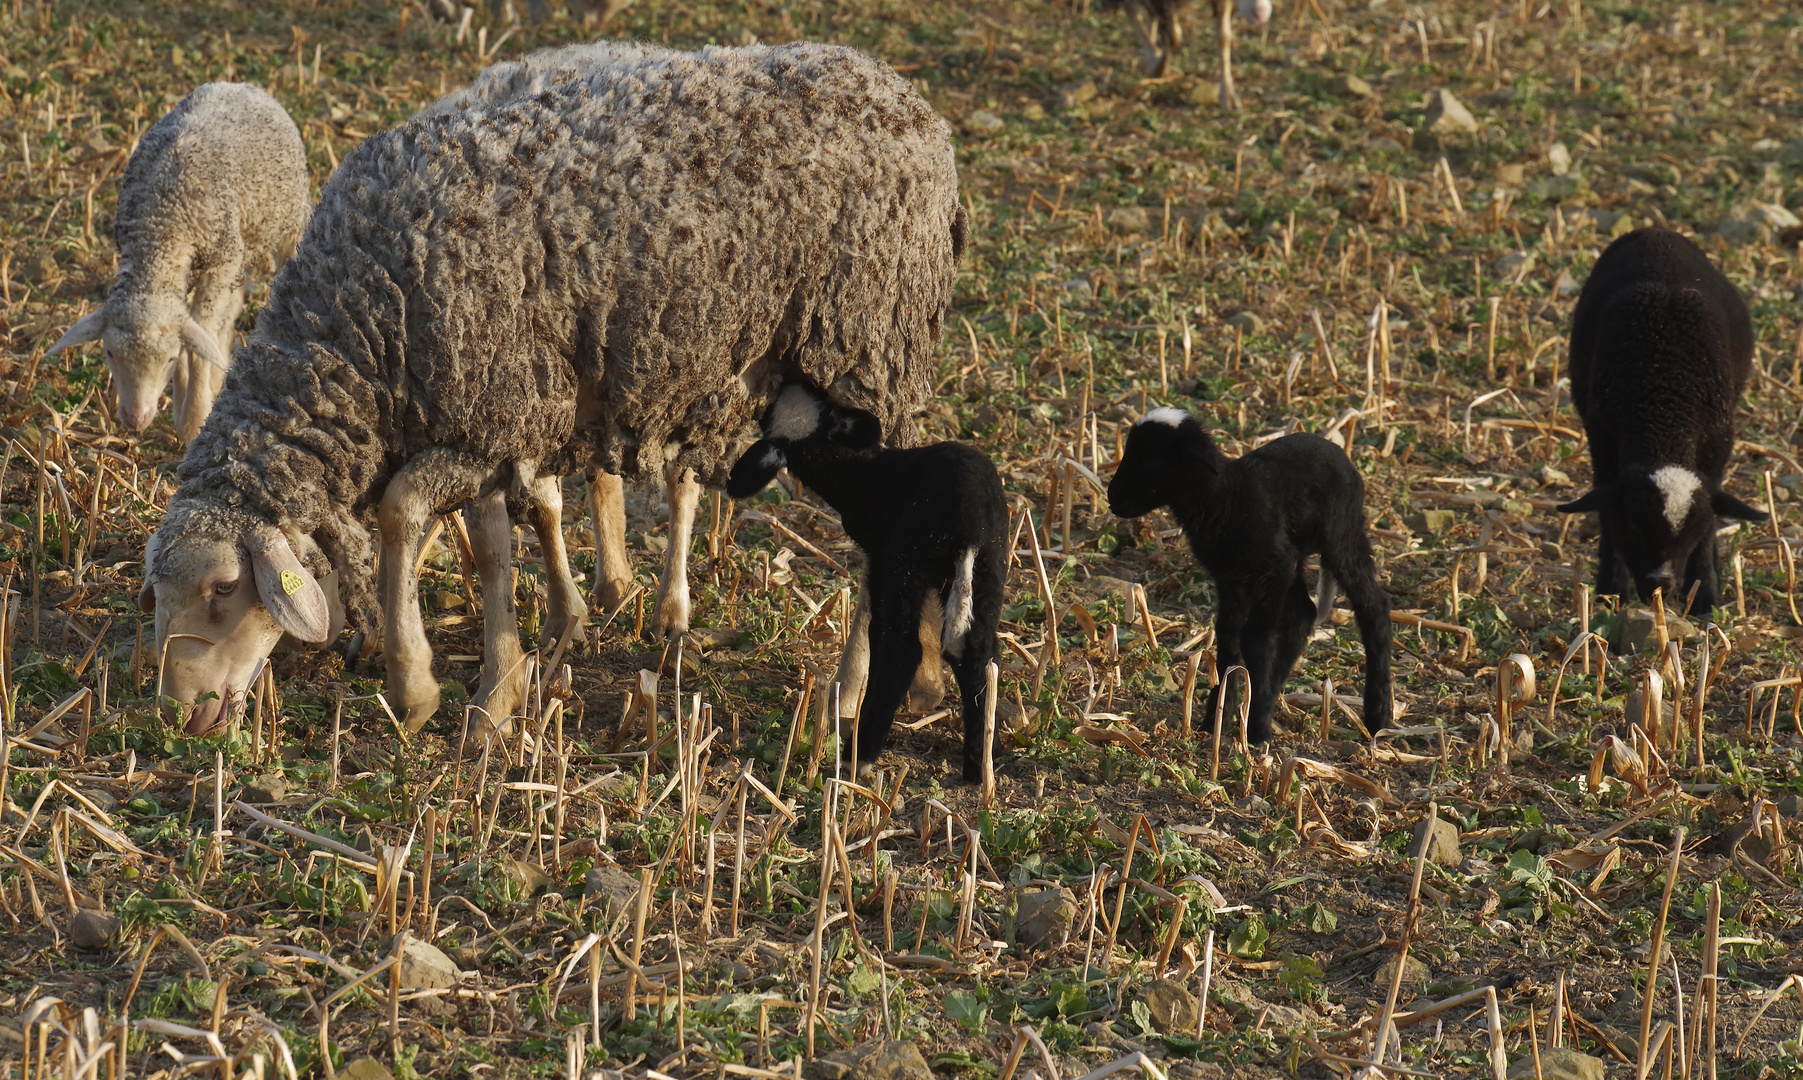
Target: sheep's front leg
1612,577
894,658
1230,99
854,662
607,511
218,299
672,610
928,688
503,686
567,611
1261,643
1703,569
408,504
1230,624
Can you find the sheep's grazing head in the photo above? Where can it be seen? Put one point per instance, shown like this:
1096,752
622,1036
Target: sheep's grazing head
143,339
1256,12
225,587
801,420
1657,516
1167,452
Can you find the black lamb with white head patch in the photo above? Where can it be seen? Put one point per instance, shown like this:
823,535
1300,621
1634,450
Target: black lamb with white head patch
933,524
1661,344
1252,523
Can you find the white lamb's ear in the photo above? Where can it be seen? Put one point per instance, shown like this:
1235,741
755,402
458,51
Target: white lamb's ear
292,596
197,341
87,328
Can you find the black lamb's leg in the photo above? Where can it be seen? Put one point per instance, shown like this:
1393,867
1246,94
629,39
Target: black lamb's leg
1230,625
1295,623
1356,573
895,604
1611,572
1262,643
970,654
1704,570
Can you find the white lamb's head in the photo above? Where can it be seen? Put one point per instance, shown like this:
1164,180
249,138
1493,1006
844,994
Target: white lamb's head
225,588
143,337
1257,12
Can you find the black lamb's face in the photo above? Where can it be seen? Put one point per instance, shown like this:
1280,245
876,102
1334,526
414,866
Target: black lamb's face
1151,472
1659,518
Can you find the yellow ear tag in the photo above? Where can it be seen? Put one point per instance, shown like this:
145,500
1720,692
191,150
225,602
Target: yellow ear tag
292,582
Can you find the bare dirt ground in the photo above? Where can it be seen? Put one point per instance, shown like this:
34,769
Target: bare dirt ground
1135,246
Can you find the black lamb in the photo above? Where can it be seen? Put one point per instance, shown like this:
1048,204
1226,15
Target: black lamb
1252,523
933,524
1660,348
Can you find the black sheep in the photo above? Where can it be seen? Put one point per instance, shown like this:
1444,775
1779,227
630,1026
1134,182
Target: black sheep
1252,523
932,522
1660,348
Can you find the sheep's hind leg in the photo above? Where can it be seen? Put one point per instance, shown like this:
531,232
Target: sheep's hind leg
928,689
607,509
567,611
1296,621
1145,24
1357,578
503,686
970,655
428,481
1230,98
672,610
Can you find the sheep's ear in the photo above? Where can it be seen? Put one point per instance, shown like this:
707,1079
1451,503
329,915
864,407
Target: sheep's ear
291,594
197,341
1726,505
87,328
755,469
854,429
1597,499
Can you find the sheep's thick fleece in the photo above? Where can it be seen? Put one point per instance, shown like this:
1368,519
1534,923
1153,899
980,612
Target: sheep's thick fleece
643,253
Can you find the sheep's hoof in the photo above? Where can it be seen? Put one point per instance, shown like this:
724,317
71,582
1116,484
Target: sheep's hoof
501,702
610,595
555,629
415,709
671,619
928,689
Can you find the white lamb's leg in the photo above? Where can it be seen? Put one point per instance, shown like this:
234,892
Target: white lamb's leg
503,686
405,510
672,612
607,508
566,612
218,298
854,662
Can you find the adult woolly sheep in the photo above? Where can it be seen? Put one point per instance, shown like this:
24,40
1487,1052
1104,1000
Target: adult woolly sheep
216,189
1252,522
621,270
508,81
1661,344
933,524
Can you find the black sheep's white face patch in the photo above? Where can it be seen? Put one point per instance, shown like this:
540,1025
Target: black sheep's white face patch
1166,415
1678,488
795,416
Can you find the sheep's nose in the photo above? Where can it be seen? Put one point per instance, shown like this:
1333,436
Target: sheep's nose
136,417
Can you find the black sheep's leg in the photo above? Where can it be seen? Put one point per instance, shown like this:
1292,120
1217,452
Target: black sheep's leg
1356,573
1261,642
1703,569
971,652
1295,624
1611,572
1230,623
895,604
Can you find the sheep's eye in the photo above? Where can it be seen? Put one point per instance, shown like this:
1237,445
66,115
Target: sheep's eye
225,588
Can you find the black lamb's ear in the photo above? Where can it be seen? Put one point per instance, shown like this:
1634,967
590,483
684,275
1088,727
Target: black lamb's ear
1597,499
1726,505
854,429
755,469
